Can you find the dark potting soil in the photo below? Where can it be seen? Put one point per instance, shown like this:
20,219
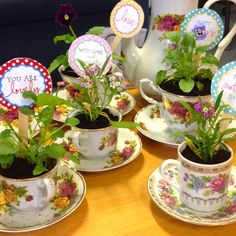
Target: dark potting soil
70,72
206,90
101,121
21,168
219,157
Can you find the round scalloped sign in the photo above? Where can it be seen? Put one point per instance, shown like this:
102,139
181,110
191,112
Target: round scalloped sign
207,26
225,79
19,75
90,49
126,19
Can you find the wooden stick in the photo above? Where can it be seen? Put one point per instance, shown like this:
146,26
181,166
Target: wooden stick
23,126
115,43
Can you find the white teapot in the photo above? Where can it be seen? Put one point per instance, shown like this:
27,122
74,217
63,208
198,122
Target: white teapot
145,62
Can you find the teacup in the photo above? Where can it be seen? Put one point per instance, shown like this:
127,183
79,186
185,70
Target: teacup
202,187
29,194
95,143
174,114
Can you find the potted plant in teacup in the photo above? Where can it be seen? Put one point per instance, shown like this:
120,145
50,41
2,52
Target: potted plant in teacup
204,160
188,77
96,134
28,168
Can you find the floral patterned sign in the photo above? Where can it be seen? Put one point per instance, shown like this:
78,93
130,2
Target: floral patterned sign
90,49
126,19
225,79
19,75
207,26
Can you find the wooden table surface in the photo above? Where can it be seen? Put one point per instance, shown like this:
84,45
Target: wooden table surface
117,202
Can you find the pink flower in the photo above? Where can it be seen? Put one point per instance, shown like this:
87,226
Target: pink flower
170,201
122,104
198,107
11,115
67,189
127,152
168,23
231,209
218,183
178,110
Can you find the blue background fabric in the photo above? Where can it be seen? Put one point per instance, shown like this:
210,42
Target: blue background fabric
27,27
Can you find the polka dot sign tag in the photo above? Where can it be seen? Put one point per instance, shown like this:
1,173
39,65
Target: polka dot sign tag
90,49
19,75
207,26
126,20
225,79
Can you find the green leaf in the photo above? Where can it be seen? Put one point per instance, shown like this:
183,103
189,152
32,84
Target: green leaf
118,58
5,134
72,158
186,85
39,168
8,146
218,100
160,77
45,99
29,94
67,38
209,59
97,30
58,61
205,74
173,36
124,124
201,49
27,111
72,121
6,160
189,40
55,151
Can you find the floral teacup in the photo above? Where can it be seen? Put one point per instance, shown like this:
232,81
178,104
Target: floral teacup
95,143
202,187
29,194
171,110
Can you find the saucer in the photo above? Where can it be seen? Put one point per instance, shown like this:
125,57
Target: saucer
128,149
153,127
168,199
60,206
124,103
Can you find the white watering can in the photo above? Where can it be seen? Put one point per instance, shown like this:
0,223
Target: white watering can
145,62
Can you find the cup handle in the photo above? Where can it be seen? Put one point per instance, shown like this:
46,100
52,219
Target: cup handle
164,166
48,185
77,137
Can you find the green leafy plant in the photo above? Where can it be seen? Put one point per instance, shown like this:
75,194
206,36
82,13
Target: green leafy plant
41,145
64,17
96,92
187,62
210,136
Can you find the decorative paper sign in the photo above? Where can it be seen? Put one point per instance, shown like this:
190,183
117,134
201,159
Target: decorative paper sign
90,49
225,79
126,19
207,26
19,75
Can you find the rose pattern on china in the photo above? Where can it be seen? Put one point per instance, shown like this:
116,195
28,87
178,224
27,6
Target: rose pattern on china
12,194
170,198
181,115
208,184
122,102
117,157
169,22
108,141
66,194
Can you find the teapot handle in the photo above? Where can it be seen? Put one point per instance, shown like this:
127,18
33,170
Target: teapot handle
228,38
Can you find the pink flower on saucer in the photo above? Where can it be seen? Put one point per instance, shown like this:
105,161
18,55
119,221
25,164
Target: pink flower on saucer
218,183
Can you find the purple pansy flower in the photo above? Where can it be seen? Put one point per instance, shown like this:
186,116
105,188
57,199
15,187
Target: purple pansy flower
65,15
200,32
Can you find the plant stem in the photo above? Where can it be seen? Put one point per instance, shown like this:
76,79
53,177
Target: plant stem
72,31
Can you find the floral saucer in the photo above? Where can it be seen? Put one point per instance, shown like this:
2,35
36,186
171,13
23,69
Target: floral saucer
71,190
168,199
128,148
124,103
154,127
